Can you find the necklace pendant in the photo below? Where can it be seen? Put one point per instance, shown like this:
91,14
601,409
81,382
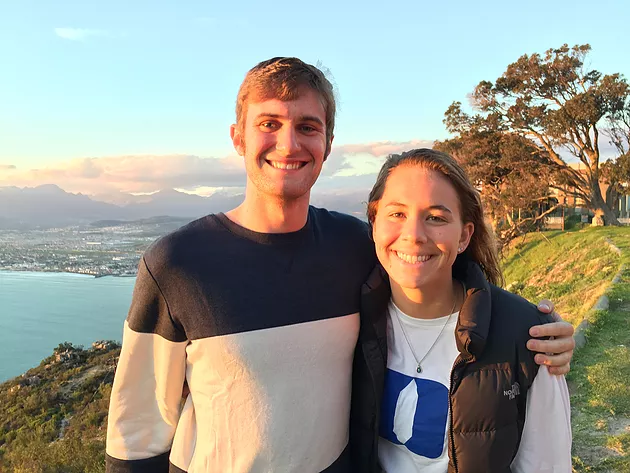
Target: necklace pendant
419,369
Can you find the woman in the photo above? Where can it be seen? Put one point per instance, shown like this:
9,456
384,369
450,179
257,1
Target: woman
443,380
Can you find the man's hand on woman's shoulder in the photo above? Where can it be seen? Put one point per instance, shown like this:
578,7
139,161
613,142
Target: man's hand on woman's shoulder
557,351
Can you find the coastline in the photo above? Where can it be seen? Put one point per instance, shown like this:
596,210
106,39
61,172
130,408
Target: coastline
94,275
41,309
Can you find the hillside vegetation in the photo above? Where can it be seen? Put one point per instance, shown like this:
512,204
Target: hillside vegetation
53,419
573,269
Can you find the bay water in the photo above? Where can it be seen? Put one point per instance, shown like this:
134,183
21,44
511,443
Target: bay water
38,311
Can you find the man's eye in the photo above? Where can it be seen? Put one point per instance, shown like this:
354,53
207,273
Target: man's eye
437,218
269,125
307,128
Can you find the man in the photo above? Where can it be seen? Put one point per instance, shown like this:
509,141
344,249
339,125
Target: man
256,309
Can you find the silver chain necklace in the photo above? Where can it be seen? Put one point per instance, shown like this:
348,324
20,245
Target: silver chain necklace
413,352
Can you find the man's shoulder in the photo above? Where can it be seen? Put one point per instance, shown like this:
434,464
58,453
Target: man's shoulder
331,220
189,239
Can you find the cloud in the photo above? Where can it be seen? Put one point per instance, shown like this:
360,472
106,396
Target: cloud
383,148
79,34
350,167
135,174
7,167
366,158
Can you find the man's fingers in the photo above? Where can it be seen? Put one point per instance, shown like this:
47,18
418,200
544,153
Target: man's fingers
555,352
560,361
546,306
554,347
560,370
554,329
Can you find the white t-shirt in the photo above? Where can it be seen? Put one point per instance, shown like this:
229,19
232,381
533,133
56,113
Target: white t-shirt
415,412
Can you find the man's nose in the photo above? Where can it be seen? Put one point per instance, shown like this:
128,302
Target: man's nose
288,141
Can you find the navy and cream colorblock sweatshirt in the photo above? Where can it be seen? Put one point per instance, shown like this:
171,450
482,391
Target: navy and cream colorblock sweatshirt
263,328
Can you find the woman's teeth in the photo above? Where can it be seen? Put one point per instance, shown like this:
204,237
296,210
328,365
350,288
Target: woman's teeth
412,258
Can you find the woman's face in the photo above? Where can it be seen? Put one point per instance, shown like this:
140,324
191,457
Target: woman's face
418,227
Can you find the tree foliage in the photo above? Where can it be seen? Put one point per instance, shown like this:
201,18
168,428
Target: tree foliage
617,172
511,171
560,105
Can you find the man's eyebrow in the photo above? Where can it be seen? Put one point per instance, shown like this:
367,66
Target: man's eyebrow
311,118
303,118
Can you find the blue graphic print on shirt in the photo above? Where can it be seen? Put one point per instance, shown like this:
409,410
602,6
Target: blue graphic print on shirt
430,414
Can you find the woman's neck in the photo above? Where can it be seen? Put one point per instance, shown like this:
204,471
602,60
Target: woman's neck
428,303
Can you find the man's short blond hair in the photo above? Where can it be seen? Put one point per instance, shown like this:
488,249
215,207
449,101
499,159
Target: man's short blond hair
284,78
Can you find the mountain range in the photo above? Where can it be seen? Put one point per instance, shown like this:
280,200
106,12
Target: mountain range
49,206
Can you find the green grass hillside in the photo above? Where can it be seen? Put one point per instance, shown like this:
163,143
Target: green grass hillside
573,269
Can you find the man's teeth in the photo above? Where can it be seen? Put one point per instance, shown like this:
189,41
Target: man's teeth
288,166
412,258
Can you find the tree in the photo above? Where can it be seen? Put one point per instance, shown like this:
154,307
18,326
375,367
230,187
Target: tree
619,129
617,173
560,105
511,171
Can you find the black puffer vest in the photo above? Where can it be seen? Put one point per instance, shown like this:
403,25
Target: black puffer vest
489,380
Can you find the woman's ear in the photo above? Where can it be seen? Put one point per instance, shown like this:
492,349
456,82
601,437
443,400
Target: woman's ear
467,232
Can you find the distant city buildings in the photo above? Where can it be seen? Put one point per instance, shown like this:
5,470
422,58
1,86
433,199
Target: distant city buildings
97,251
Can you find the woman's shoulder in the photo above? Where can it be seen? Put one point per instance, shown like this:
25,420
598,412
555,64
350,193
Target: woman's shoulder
515,309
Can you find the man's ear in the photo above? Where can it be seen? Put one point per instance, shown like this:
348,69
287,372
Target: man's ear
237,139
329,147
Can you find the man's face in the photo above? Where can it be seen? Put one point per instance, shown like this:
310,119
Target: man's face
284,145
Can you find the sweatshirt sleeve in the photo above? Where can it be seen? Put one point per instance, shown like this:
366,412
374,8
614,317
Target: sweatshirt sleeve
546,441
145,403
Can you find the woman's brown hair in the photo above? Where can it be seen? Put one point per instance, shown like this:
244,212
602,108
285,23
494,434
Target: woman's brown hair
482,248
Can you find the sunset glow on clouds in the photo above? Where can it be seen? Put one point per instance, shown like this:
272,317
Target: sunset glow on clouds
348,166
133,174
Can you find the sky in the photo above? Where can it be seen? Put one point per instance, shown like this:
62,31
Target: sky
104,96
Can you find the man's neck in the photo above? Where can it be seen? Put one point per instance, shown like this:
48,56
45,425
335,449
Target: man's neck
265,215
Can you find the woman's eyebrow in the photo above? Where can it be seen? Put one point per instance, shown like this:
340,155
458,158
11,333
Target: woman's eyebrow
431,207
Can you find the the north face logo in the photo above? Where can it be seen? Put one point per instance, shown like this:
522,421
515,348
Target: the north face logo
512,393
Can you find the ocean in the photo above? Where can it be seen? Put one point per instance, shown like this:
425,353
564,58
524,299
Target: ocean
38,311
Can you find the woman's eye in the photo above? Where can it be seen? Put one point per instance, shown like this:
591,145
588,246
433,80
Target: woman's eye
397,215
437,218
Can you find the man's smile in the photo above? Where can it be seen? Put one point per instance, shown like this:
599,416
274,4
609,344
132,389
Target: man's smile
286,165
